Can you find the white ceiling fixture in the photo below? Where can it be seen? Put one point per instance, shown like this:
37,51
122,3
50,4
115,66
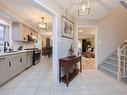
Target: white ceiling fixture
83,7
43,26
98,8
29,13
80,31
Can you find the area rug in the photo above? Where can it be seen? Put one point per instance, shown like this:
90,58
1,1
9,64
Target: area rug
88,63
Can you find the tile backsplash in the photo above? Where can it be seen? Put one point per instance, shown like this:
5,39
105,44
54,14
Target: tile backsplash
1,48
25,45
16,45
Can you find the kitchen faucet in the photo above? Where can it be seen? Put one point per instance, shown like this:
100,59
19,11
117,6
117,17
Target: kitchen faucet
6,43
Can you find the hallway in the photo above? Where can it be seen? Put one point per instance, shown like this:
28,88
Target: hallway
37,80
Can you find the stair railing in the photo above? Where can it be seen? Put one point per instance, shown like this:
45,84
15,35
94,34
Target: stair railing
122,60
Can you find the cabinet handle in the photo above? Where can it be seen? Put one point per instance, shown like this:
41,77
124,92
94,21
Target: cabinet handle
9,64
20,59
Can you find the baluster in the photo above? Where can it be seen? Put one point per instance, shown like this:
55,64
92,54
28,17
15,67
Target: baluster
119,63
124,67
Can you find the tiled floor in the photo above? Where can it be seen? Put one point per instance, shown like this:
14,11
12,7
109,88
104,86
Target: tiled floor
38,81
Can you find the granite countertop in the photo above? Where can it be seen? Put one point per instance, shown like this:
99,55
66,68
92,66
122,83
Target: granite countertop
15,52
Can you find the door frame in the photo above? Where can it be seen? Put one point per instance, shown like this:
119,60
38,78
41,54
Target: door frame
55,24
96,46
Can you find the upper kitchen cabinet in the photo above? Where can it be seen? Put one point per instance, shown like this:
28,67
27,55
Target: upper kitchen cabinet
20,32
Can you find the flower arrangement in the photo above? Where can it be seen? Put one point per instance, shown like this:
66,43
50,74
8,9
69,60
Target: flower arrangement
71,50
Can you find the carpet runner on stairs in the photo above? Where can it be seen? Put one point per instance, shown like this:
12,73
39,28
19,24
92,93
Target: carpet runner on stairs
110,65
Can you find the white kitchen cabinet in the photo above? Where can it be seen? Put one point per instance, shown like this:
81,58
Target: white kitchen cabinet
4,71
9,67
13,64
29,59
19,32
14,67
23,60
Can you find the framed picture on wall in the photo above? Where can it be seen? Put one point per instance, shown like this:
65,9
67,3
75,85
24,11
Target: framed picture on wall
67,29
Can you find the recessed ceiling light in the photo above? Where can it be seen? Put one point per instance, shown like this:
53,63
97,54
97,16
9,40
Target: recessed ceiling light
80,31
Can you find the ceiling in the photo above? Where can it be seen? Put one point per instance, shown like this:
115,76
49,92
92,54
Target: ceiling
99,8
86,32
28,12
32,15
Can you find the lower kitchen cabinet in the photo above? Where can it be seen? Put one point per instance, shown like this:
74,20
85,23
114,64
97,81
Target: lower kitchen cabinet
4,71
29,59
12,65
23,61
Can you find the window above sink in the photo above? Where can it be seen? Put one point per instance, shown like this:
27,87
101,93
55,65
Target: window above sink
4,29
2,34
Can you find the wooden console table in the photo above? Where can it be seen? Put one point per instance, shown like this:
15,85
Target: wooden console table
66,63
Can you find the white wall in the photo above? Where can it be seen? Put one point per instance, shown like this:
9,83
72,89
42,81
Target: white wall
112,31
85,22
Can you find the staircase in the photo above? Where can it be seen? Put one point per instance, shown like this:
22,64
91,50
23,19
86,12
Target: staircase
110,65
115,65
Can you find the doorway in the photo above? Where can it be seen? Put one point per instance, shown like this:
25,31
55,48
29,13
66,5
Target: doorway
87,46
47,46
54,37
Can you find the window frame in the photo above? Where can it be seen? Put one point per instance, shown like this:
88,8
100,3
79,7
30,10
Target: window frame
3,34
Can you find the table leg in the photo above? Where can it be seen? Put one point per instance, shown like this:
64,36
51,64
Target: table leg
59,72
67,75
80,64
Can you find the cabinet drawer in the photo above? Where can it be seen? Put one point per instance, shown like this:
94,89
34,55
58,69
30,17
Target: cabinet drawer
12,56
8,57
23,54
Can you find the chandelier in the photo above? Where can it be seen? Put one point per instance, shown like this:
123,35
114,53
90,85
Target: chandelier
42,26
83,7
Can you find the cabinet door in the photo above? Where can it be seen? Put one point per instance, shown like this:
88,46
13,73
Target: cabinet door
25,34
14,67
4,72
24,31
18,32
22,61
29,59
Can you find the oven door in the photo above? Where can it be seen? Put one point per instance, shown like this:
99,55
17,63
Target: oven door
36,58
